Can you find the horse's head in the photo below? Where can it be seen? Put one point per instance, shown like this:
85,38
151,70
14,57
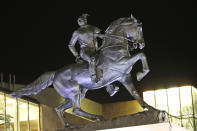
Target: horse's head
132,30
126,29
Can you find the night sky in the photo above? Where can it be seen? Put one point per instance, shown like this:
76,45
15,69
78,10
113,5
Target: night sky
37,35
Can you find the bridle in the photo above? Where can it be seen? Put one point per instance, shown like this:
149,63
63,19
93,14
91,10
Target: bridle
134,42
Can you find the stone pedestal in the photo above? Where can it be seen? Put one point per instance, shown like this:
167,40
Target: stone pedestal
142,118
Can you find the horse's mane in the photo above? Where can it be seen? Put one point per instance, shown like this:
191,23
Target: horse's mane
117,23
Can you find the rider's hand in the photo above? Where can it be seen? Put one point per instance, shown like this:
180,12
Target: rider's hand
101,36
135,45
78,60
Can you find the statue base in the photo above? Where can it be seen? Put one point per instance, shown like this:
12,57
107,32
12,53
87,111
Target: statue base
141,118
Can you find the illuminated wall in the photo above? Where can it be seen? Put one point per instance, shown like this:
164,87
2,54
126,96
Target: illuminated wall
18,114
178,101
121,109
88,106
108,111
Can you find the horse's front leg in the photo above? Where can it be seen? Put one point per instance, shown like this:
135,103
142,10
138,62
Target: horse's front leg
145,69
126,81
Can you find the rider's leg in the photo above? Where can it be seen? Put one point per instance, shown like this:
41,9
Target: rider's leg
88,56
128,84
92,66
111,89
60,111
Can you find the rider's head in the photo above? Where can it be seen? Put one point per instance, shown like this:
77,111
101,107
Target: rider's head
82,20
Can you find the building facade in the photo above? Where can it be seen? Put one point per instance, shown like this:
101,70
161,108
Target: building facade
36,113
179,102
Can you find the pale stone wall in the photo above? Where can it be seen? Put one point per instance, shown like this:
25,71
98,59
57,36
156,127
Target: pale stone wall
49,97
49,119
120,109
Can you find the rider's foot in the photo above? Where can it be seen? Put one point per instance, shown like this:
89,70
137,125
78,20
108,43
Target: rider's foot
94,78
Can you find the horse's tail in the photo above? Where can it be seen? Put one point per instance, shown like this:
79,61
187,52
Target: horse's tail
37,86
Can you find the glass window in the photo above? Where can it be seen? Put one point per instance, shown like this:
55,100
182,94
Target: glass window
34,116
23,115
18,114
196,122
180,103
174,104
149,98
188,123
2,111
186,101
11,113
194,95
161,99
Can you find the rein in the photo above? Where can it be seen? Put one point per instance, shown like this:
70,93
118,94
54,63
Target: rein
119,37
116,37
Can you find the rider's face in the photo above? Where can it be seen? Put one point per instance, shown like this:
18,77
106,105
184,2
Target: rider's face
82,22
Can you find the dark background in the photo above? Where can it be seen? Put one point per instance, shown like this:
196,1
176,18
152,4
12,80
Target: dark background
37,35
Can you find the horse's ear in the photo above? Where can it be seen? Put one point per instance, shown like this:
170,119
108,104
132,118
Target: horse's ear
131,16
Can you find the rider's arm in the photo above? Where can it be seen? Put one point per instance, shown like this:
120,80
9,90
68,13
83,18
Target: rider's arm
97,34
72,44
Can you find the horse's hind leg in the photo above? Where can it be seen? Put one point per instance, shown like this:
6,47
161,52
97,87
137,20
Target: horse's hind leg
76,100
128,84
60,111
78,111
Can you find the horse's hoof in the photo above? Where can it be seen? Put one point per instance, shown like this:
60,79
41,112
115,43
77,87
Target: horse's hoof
163,116
98,118
101,118
68,126
139,76
150,108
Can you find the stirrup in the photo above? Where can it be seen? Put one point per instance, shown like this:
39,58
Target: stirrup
114,91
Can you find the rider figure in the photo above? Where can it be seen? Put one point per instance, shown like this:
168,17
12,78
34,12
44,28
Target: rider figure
86,35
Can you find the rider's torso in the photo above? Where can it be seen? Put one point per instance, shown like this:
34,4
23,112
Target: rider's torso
86,36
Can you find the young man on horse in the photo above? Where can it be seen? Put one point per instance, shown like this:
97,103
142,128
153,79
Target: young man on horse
86,35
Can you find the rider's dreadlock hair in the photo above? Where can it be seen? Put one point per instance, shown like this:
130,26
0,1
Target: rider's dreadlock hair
83,16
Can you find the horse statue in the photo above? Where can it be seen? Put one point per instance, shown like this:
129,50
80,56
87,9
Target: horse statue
114,62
